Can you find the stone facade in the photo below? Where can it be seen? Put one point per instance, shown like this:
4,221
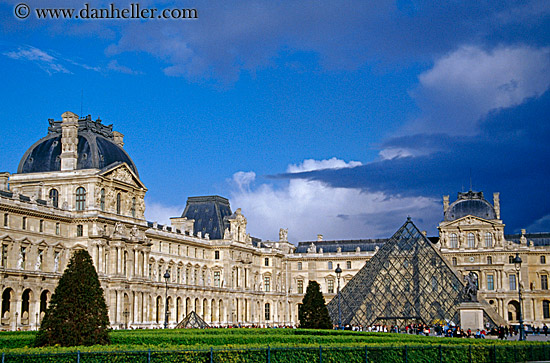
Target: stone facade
93,199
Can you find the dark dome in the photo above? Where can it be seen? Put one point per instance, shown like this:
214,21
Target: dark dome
96,149
470,203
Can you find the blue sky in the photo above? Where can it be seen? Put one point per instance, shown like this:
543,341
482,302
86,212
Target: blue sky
339,118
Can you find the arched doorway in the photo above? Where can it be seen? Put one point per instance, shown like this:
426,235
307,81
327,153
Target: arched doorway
513,310
44,300
6,304
126,310
157,311
25,306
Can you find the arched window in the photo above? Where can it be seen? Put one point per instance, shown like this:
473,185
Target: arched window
471,240
267,311
133,210
118,203
488,239
489,260
54,197
330,265
453,241
102,199
80,198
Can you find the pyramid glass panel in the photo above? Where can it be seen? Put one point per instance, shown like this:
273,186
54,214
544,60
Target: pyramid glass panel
406,281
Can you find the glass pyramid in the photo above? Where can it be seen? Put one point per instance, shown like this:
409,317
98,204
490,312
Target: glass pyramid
192,320
406,281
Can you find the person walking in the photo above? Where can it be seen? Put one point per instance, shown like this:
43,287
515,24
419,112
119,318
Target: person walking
545,330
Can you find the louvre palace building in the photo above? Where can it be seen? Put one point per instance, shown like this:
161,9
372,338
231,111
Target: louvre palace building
77,188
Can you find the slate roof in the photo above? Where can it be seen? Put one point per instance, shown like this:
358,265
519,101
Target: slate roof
209,213
345,245
470,203
539,239
96,149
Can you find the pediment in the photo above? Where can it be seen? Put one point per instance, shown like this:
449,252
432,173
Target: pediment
122,173
469,221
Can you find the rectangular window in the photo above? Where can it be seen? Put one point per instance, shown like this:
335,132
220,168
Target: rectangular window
348,265
179,275
299,266
4,256
150,271
41,225
79,230
544,282
216,278
330,265
216,255
330,286
267,284
267,312
24,223
57,229
512,280
6,219
546,309
490,282
300,285
266,261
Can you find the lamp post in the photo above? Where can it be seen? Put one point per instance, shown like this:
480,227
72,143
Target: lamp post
166,278
517,263
338,272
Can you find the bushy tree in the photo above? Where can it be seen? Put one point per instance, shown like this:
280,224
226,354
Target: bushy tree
77,314
314,313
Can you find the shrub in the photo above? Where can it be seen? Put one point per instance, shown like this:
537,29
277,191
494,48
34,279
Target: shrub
77,314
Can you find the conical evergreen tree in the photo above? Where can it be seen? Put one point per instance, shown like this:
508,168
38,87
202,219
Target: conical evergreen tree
77,314
313,313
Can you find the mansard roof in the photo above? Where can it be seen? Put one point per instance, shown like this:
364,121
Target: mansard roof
539,239
96,149
470,203
209,213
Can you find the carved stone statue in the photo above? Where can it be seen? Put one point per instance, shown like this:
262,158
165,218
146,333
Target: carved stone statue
283,234
470,290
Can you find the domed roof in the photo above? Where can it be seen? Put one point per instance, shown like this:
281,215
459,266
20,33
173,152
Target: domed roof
96,149
470,203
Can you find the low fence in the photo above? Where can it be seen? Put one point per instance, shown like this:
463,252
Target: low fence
378,354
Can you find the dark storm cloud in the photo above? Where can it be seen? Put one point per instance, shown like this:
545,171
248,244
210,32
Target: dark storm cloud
510,155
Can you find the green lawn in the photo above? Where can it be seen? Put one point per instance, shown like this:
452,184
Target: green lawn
130,340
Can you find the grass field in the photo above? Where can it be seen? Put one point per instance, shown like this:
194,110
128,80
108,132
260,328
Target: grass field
130,340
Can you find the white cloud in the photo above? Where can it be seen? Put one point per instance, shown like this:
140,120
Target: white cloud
158,212
308,208
45,61
465,85
115,66
243,179
311,164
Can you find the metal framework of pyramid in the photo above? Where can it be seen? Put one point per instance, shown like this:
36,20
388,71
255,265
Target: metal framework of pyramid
192,320
406,281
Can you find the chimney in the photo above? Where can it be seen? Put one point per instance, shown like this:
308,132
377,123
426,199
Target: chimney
4,177
319,237
496,204
69,141
119,138
445,203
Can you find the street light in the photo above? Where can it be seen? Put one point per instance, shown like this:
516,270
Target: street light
166,277
517,263
338,272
